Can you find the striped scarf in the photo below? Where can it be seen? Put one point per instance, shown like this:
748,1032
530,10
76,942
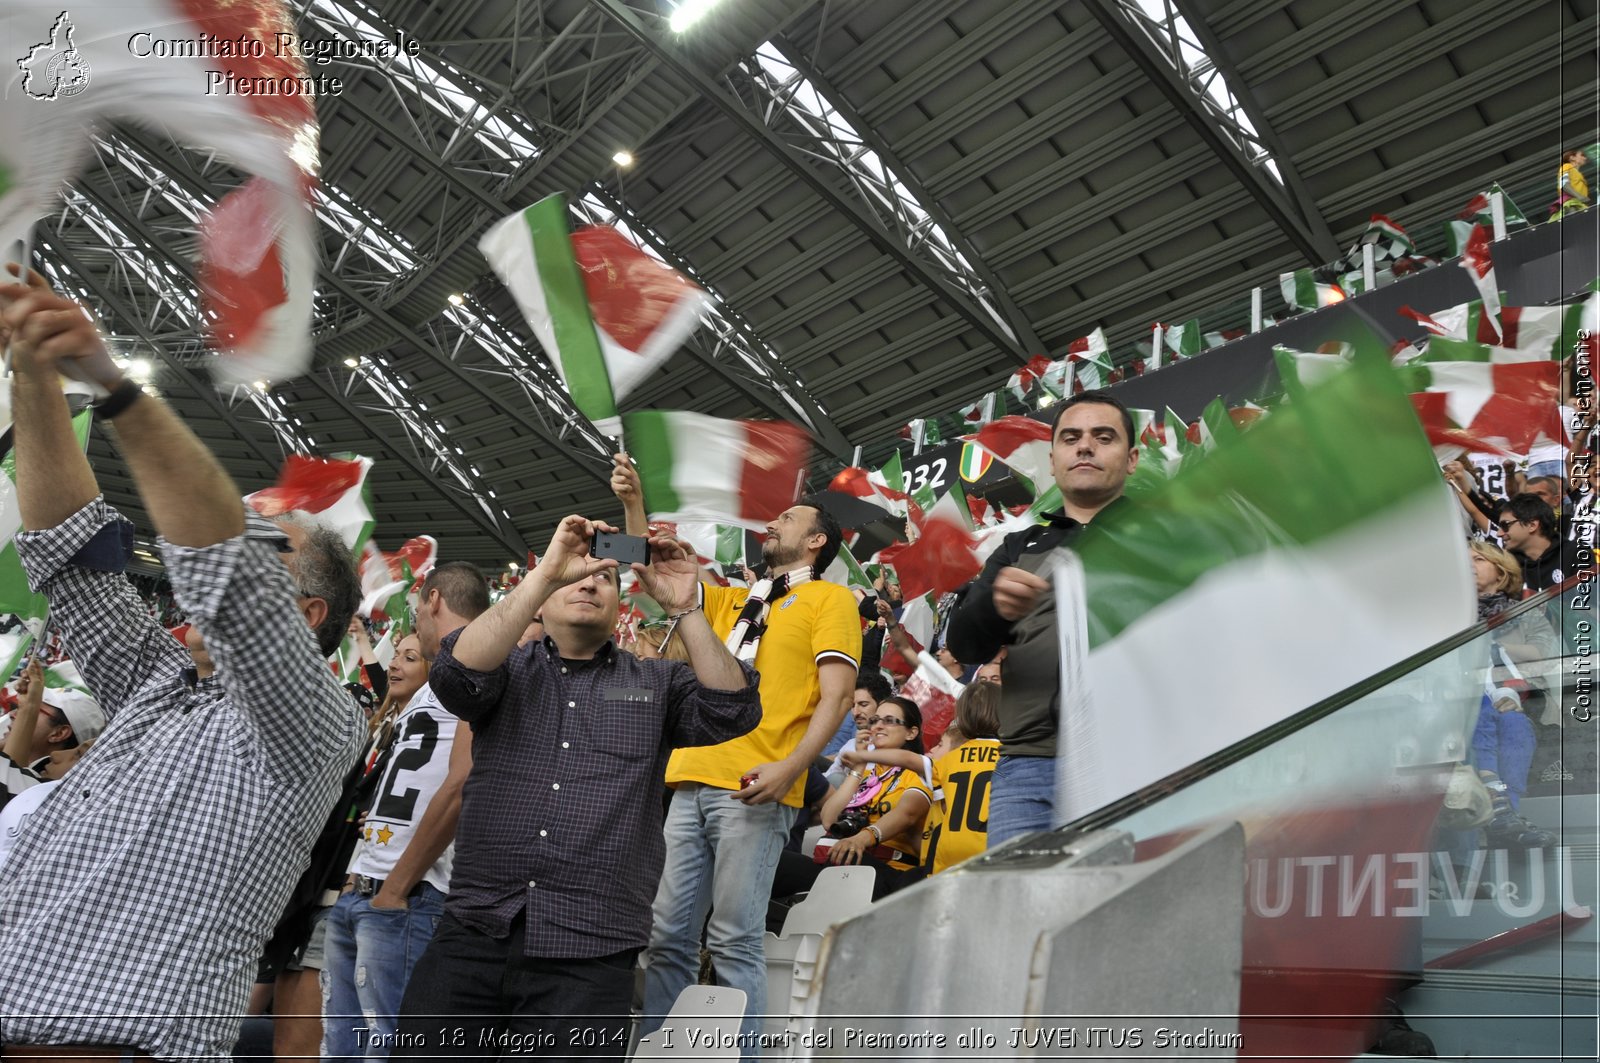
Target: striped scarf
745,637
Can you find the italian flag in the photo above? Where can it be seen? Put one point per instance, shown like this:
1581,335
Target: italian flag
695,467
874,487
15,595
1091,359
1479,212
1185,340
1023,444
331,492
1479,264
1553,329
1267,575
944,556
606,313
258,251
1487,406
1023,380
847,572
1302,291
1388,238
387,578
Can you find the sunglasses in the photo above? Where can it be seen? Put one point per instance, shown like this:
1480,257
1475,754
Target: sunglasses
1505,525
873,721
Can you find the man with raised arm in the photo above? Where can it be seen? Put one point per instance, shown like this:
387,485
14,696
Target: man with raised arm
558,846
138,898
733,805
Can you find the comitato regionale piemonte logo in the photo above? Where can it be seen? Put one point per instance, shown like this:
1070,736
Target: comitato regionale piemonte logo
55,69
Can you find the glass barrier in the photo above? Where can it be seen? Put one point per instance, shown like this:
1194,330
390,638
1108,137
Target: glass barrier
1409,844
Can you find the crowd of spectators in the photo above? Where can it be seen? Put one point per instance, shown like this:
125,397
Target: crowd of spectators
485,813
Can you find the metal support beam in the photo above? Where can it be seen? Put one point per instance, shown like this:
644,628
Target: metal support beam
1299,192
406,335
51,245
1312,239
137,227
789,388
889,243
512,541
902,173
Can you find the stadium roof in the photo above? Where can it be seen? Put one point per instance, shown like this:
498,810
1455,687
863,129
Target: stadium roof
894,204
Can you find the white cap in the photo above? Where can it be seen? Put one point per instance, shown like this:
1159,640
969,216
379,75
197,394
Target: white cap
82,712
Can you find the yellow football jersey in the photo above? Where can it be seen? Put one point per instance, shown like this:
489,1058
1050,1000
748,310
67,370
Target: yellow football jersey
958,823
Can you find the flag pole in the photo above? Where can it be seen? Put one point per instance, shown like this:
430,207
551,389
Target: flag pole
1255,309
1497,212
25,260
1369,267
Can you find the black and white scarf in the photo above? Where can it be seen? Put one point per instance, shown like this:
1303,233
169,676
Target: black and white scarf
752,623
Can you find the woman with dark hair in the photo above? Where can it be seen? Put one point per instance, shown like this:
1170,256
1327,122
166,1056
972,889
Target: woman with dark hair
875,817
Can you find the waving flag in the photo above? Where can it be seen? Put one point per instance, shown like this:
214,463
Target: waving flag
257,250
1488,406
1021,443
1090,358
606,313
1479,212
945,554
694,467
16,597
1325,525
330,492
387,579
1479,264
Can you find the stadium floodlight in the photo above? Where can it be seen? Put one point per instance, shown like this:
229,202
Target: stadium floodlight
689,12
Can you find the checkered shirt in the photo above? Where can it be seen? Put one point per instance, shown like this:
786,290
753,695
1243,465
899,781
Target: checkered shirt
561,816
138,898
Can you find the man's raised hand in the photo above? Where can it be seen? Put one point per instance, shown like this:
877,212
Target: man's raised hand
672,577
49,332
567,560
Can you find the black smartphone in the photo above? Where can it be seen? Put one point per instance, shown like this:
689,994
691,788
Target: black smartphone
627,549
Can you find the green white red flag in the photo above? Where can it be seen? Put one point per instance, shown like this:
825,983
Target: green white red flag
1487,406
329,492
944,555
387,579
1479,211
693,467
1479,264
258,259
1302,291
16,596
847,572
1185,340
1252,561
605,312
1090,359
1023,444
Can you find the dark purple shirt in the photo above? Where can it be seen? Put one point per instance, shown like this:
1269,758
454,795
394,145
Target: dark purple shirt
561,816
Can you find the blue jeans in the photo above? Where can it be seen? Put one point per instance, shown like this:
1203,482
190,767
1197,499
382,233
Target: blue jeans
1022,797
370,953
721,855
1503,742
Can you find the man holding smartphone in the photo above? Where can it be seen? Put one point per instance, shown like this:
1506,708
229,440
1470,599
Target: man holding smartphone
559,846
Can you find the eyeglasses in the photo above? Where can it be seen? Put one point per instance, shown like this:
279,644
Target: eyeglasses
1505,525
873,721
